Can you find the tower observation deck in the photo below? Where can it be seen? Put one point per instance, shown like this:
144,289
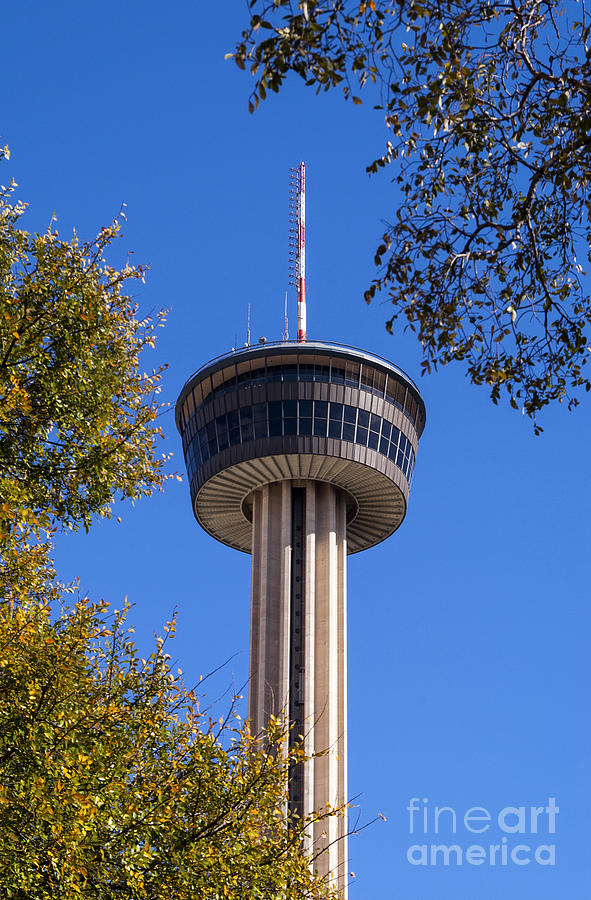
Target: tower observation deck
300,453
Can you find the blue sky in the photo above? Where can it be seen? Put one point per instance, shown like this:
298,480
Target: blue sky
469,628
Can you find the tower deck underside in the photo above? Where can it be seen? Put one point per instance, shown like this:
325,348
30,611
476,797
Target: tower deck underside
298,648
376,502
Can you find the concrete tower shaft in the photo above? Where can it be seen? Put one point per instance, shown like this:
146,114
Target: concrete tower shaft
302,453
298,644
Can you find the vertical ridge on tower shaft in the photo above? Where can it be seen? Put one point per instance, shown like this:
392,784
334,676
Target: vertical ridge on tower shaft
297,648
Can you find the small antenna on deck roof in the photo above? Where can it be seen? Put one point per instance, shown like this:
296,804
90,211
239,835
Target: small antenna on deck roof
285,321
297,242
248,327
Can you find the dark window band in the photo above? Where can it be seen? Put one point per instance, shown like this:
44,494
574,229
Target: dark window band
301,417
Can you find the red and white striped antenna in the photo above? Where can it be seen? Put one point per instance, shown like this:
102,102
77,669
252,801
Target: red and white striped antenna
297,242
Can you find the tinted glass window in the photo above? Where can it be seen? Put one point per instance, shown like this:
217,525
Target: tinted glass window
366,377
352,374
260,419
363,418
410,407
222,429
260,428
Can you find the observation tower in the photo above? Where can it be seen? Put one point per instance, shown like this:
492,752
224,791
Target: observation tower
299,453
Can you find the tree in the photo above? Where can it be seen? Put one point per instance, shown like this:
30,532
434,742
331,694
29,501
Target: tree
115,785
487,104
77,416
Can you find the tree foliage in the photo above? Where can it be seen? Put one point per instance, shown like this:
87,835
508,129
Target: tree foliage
77,415
115,785
488,109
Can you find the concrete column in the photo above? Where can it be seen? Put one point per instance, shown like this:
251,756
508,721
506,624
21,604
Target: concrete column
269,623
323,633
330,701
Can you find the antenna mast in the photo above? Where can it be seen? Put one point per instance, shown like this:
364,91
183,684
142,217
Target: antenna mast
297,242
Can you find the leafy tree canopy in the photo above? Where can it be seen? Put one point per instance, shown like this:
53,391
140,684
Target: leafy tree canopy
77,415
487,105
114,785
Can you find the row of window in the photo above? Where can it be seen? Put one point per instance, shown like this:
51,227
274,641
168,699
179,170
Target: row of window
351,374
301,417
